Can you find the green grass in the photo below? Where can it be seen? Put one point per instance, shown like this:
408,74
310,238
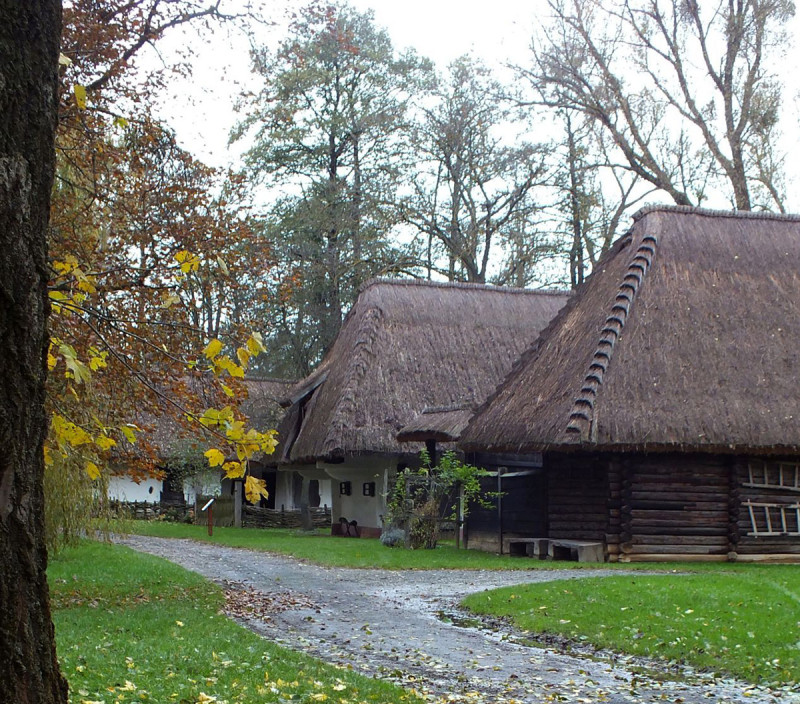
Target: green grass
743,621
335,551
135,628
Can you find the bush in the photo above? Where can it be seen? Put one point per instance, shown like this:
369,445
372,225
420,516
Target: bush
392,537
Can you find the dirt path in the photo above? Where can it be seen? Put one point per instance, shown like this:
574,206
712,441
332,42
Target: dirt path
390,625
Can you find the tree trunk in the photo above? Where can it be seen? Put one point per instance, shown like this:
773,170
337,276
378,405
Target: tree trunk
29,40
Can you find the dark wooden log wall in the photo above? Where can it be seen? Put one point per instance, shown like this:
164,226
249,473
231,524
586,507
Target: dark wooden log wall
675,506
577,497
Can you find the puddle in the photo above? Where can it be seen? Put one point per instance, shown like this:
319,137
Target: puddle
460,620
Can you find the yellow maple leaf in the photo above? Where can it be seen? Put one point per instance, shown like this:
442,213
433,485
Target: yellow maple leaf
212,349
80,96
128,432
254,489
92,470
255,344
105,443
233,470
215,457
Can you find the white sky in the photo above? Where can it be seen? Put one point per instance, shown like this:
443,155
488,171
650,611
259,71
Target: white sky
497,31
201,110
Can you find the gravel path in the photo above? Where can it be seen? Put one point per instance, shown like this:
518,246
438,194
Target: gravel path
406,626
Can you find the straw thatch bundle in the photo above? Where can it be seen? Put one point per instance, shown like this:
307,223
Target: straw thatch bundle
684,338
406,346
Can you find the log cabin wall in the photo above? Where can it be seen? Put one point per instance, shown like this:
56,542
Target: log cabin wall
768,506
675,506
577,497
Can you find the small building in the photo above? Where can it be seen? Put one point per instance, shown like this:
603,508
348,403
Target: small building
179,459
662,400
404,347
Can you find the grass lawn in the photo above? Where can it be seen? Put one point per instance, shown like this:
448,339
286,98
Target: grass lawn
136,628
336,551
743,621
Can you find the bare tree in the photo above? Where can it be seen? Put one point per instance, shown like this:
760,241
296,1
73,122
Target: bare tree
684,91
594,193
473,190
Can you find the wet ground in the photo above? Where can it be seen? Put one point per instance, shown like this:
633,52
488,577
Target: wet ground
406,626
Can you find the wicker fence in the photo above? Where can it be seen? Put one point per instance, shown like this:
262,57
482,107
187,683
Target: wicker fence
256,517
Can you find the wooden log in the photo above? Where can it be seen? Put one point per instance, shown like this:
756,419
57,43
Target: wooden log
707,540
682,529
676,550
675,557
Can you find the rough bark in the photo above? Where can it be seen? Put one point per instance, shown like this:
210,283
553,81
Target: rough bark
29,40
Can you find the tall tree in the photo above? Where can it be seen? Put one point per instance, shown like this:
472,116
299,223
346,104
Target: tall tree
327,131
594,193
29,48
472,188
148,258
685,89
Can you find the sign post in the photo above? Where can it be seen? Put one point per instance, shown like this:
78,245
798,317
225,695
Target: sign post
210,509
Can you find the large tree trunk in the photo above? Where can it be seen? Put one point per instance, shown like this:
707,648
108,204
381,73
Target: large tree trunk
29,39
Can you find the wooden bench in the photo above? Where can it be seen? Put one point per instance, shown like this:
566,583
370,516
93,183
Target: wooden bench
556,549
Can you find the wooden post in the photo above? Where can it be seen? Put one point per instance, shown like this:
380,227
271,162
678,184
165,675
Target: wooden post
237,502
211,520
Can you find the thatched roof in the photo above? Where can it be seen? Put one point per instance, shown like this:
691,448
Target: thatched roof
406,346
443,424
685,337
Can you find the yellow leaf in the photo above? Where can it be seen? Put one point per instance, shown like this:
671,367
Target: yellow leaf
229,366
92,470
98,361
105,443
243,356
51,362
188,261
64,60
255,344
215,457
80,96
48,457
128,432
233,470
228,390
212,349
254,489
120,122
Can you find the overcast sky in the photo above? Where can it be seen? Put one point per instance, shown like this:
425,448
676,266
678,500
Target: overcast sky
201,110
498,31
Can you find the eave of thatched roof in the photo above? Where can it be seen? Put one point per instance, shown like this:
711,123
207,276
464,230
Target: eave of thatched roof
439,424
684,338
406,346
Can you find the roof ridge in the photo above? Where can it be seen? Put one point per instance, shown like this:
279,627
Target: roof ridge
582,416
710,212
427,283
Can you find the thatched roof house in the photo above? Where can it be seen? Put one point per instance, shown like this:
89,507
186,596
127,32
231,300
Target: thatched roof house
669,375
405,346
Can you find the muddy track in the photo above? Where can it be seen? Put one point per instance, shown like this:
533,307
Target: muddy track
406,626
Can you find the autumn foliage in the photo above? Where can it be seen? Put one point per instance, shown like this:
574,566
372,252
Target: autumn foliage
152,259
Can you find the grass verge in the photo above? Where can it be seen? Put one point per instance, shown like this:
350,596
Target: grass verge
136,628
335,551
743,622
